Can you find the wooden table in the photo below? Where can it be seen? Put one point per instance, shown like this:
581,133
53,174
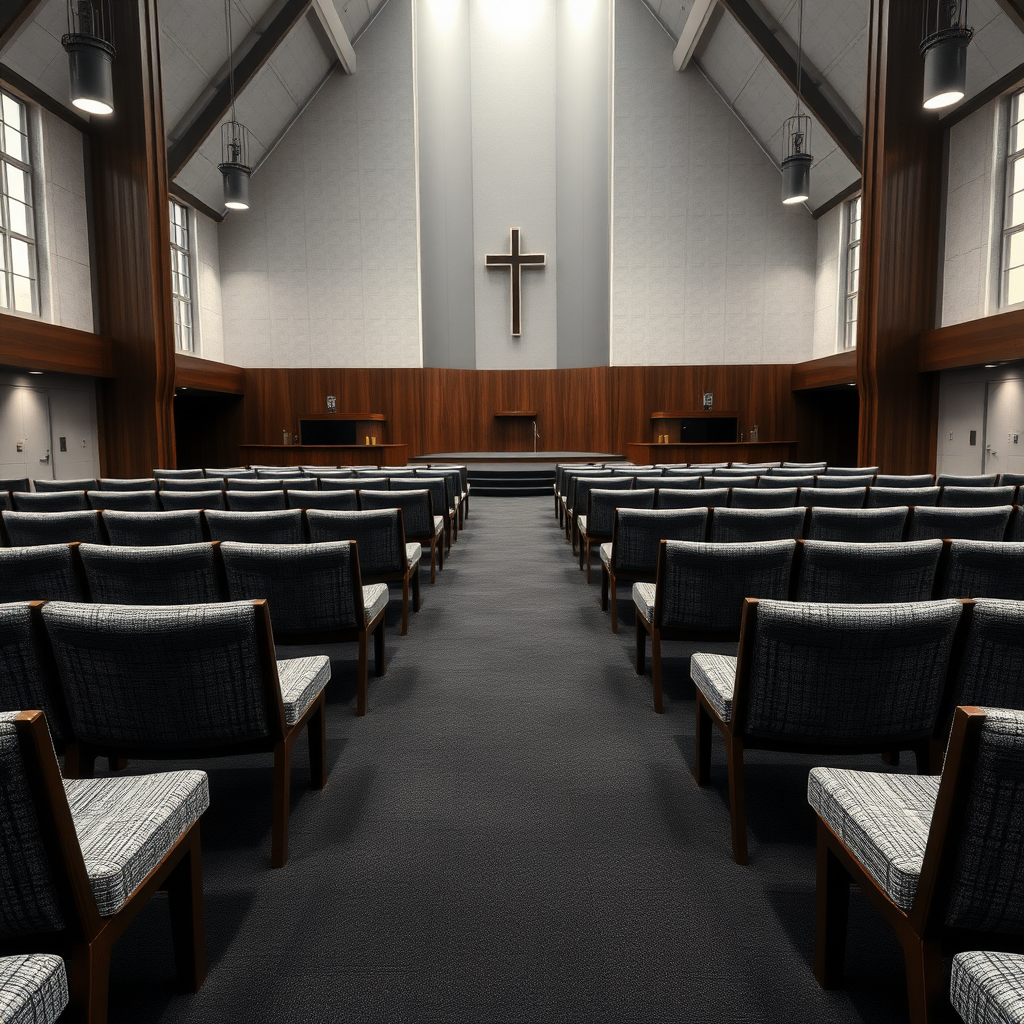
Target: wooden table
324,454
644,454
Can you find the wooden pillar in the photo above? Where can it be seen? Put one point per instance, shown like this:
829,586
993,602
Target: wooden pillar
133,268
899,247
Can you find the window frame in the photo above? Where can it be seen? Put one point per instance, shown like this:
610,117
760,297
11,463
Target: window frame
1009,231
180,301
850,297
7,234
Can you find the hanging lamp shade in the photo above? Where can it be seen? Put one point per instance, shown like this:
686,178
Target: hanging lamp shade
796,159
944,45
89,42
234,166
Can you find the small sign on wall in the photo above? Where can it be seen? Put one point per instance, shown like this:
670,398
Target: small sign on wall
332,403
709,399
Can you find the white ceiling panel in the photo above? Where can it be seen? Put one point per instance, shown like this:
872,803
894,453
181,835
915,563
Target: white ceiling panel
300,62
729,57
997,47
354,14
672,14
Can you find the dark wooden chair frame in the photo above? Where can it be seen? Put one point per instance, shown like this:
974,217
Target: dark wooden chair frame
89,938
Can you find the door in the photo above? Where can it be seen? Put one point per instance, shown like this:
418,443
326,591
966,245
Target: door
25,433
1004,429
962,428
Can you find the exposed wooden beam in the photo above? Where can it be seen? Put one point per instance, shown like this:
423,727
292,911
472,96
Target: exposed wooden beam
848,193
1010,80
328,16
1014,10
246,69
993,339
207,374
13,15
846,138
828,371
30,344
693,29
196,203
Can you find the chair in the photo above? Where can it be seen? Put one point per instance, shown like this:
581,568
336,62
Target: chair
42,486
988,988
421,525
315,595
180,501
857,525
50,501
636,540
456,497
81,858
25,529
256,501
745,526
277,472
699,594
189,681
33,988
354,483
234,472
850,471
936,856
596,526
282,527
977,497
441,498
833,497
145,483
150,529
578,499
784,480
45,572
670,483
126,501
728,480
802,467
710,498
257,484
954,480
14,484
977,568
914,480
177,474
959,523
384,554
327,471
335,501
1013,479
165,574
826,480
191,484
832,572
893,497
756,497
568,494
823,678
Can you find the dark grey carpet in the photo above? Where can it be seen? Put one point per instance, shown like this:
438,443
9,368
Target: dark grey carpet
511,834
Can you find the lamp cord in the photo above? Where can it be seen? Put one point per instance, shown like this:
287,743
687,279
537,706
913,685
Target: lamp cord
799,54
231,56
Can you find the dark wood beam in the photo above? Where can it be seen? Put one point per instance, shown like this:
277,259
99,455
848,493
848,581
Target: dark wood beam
782,60
828,371
1014,10
899,248
14,14
194,201
993,339
246,69
207,374
1010,80
30,344
30,91
848,193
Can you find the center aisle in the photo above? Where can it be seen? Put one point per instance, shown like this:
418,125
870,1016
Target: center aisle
511,834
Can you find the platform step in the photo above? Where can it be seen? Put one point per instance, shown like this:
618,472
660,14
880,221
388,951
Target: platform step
521,482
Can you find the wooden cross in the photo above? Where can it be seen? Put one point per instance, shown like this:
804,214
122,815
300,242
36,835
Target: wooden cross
516,261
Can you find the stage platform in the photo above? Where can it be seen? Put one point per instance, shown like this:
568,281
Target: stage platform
513,474
530,458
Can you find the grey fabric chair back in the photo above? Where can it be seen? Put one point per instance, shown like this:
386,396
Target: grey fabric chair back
255,483
956,480
828,480
669,483
380,536
848,674
256,501
331,472
25,529
977,497
281,527
191,484
639,533
682,474
843,573
712,498
6,503
337,501
440,496
161,678
603,503
858,525
175,501
912,480
31,905
177,474
43,573
352,483
151,529
145,483
28,677
786,480
758,497
42,486
417,510
1016,532
1005,479
570,477
50,501
977,568
702,586
168,574
309,588
452,477
744,526
893,497
795,468
301,483
132,501
833,497
850,471
14,484
959,523
277,472
583,485
729,481
987,893
234,472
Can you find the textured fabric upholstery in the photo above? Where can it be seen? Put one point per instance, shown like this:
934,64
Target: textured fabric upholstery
584,485
375,599
670,483
178,474
833,497
378,535
41,486
959,523
26,529
914,481
849,471
604,503
27,677
336,501
277,472
282,527
42,573
771,497
325,473
1016,479
417,510
891,497
728,480
413,554
858,525
302,679
842,573
953,480
14,484
741,525
258,484
801,467
300,483
641,532
437,485
256,501
855,674
978,568
308,587
50,501
165,574
715,676
126,826
33,989
704,585
785,480
826,480
644,595
234,472
362,483
710,498
145,483
178,500
977,497
187,484
131,501
131,529
605,551
883,820
988,988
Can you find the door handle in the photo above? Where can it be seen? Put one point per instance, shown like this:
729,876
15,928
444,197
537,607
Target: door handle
46,457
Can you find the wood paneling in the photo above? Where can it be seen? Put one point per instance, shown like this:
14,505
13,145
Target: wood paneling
828,371
993,339
34,345
207,375
325,455
757,451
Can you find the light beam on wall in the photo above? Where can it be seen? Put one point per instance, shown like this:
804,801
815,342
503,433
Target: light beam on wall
444,12
514,17
581,13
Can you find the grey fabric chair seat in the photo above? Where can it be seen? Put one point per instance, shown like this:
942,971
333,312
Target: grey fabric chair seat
375,599
643,597
605,551
33,989
152,575
301,680
125,826
715,676
331,501
741,525
882,819
759,497
988,988
413,553
83,484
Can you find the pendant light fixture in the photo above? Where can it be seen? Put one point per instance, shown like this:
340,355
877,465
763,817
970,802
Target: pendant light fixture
89,42
796,137
234,141
944,43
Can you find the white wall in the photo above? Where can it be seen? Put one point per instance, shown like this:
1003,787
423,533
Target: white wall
209,306
828,279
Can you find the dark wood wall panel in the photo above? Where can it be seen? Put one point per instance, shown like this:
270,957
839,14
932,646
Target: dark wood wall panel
34,345
993,339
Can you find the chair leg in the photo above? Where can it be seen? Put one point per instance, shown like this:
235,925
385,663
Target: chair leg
703,772
405,604
433,561
184,887
588,561
282,800
737,799
615,604
416,588
316,732
439,541
926,990
117,764
832,906
581,552
641,646
380,664
656,668
89,983
72,764
604,588
923,757
361,671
